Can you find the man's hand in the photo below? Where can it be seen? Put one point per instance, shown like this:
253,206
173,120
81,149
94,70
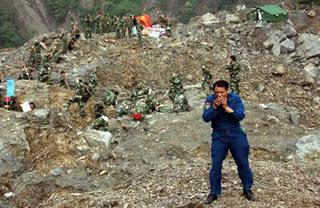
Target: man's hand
224,102
217,102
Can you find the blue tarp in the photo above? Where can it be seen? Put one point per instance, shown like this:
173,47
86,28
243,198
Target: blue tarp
10,87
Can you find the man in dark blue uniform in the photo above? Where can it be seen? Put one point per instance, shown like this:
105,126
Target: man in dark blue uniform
225,111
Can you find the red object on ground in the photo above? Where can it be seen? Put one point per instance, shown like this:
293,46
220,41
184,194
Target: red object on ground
7,99
137,116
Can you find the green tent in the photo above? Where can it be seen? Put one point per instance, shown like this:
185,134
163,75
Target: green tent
268,13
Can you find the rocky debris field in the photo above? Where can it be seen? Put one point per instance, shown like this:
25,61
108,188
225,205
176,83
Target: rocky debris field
52,158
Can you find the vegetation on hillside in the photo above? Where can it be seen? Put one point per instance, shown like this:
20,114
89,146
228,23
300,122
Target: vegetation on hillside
9,36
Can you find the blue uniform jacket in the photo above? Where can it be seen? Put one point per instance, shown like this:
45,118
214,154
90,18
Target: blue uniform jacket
221,120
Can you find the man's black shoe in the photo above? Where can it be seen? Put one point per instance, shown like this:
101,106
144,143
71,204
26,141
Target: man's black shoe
249,195
211,198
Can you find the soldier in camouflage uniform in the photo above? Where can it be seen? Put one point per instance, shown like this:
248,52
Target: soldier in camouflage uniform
176,95
56,53
81,97
98,23
119,28
107,23
139,29
234,70
110,97
44,71
123,108
92,82
26,73
64,42
206,78
89,22
143,99
75,35
98,109
100,123
62,79
71,22
35,56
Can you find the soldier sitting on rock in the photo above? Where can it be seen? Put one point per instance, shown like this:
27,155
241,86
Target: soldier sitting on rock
100,123
176,95
124,108
81,97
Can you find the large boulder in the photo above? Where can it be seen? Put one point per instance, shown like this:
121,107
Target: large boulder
208,19
309,45
98,139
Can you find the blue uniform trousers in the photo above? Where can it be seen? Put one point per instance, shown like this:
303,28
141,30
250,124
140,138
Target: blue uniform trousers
236,141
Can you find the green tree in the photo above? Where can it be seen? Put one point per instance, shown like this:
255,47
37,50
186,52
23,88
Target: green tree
59,8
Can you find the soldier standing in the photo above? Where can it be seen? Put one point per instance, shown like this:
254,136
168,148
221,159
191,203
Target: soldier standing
35,56
88,21
139,29
44,71
71,21
98,23
234,70
206,78
107,23
81,97
119,28
92,82
176,95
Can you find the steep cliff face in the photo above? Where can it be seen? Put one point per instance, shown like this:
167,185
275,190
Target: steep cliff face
32,16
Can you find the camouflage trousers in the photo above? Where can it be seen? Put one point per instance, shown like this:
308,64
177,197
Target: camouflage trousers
234,85
100,124
180,104
88,33
77,99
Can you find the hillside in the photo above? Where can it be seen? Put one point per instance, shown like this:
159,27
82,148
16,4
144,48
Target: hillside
52,158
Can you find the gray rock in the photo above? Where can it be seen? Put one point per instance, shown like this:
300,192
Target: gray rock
276,49
260,88
208,19
232,18
99,139
316,100
41,114
307,80
294,117
289,31
275,37
95,157
57,171
312,70
307,145
310,45
287,46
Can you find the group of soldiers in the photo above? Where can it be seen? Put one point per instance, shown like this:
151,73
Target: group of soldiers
101,24
40,62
